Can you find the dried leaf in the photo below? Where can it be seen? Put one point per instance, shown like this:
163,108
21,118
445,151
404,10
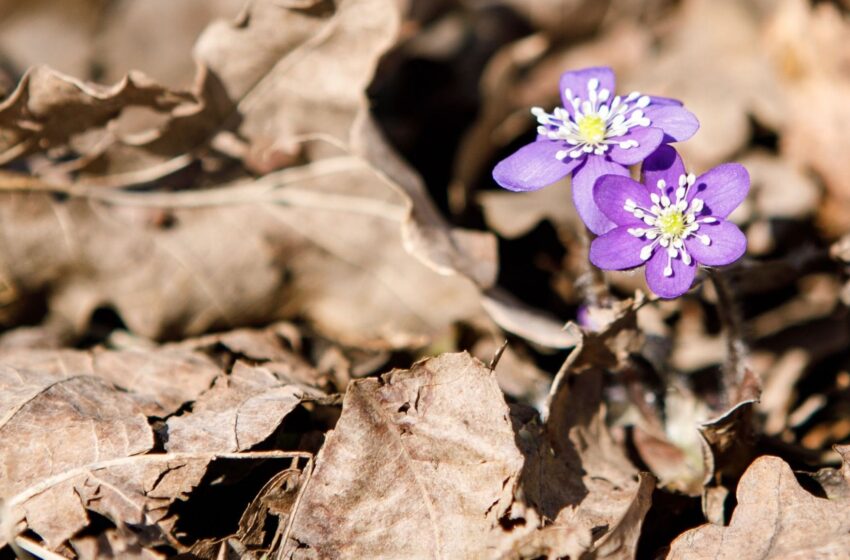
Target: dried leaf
103,423
48,108
159,380
425,456
240,410
775,518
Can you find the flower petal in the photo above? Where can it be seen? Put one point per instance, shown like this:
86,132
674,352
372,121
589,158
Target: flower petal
576,82
533,167
583,180
658,100
727,244
677,122
617,250
664,163
648,139
669,286
722,189
610,193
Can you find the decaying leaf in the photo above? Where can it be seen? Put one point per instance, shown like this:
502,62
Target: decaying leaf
775,518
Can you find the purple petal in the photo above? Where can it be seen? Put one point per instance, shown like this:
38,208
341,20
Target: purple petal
533,167
669,286
610,193
648,139
677,122
664,163
576,82
617,250
658,100
727,244
583,180
722,189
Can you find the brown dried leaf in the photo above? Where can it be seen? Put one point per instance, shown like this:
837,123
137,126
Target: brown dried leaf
241,410
159,380
422,463
711,59
102,422
129,491
775,518
308,80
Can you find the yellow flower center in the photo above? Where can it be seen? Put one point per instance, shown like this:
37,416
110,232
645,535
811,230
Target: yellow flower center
672,224
591,128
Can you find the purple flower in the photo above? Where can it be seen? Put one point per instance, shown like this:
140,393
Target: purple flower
671,222
595,133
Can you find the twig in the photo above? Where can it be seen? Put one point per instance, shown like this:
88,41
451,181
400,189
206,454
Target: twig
737,351
591,283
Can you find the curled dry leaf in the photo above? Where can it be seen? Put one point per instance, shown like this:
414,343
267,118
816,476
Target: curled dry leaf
422,464
775,518
48,108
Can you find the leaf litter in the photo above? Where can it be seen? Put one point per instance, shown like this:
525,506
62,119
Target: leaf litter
261,299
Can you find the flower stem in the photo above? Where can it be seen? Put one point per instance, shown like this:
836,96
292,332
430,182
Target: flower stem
729,312
591,283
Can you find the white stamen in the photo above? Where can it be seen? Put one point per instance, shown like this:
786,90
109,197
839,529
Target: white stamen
697,205
645,252
706,240
661,184
686,258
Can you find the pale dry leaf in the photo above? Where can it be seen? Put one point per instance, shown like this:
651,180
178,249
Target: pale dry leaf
309,241
240,410
775,518
712,59
808,47
512,216
156,37
309,80
59,34
421,464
